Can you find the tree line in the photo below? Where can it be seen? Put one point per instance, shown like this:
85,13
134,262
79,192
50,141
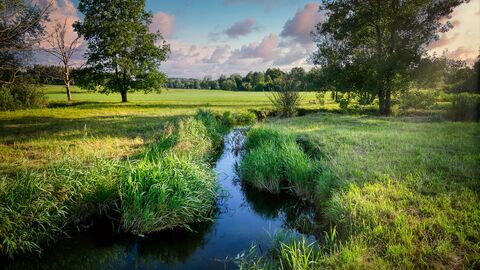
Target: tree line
371,50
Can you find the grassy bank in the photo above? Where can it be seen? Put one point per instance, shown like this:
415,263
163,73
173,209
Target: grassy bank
169,184
397,192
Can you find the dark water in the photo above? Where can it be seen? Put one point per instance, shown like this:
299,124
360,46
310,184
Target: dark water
246,216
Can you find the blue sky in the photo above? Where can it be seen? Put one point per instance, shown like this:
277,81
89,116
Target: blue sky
214,37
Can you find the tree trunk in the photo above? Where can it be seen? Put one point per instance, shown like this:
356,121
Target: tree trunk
69,94
388,103
381,102
124,96
66,80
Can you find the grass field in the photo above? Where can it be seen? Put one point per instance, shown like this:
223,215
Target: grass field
100,124
399,192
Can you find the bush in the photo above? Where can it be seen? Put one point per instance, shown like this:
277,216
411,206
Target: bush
21,96
320,97
465,107
239,119
286,101
418,99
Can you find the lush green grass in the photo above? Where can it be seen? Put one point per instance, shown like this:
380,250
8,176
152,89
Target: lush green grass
401,192
97,123
275,161
170,184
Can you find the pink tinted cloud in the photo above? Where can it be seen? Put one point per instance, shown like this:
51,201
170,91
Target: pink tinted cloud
163,22
302,24
267,49
61,11
444,40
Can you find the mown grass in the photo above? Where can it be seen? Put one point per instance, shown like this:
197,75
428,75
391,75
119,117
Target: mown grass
401,192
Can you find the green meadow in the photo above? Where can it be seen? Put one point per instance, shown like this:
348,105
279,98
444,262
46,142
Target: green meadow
392,192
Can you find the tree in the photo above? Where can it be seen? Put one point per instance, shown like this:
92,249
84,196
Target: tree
122,53
298,75
63,50
383,39
21,29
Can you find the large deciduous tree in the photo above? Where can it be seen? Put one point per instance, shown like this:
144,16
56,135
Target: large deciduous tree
371,45
123,54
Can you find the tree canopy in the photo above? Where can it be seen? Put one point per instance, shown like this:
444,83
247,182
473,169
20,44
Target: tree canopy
123,54
370,46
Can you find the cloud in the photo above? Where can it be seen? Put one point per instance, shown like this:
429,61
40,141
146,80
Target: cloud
60,12
443,41
266,50
219,55
302,24
241,28
163,22
463,41
294,55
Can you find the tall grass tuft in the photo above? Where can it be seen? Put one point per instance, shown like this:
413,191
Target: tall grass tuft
36,207
173,185
273,160
171,192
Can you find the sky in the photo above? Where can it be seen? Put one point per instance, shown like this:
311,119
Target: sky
214,37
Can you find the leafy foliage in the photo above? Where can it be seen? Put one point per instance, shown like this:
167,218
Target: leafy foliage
370,46
122,53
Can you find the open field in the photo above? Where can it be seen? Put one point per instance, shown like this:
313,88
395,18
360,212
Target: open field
99,124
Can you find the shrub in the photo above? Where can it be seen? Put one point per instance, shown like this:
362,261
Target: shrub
21,96
172,192
465,107
418,99
286,101
320,96
239,119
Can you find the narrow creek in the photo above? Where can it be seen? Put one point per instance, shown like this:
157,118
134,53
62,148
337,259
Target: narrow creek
245,217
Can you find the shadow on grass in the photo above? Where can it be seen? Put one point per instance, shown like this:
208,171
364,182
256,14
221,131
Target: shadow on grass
71,129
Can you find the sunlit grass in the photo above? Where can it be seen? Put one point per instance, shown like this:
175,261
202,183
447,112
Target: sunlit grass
401,192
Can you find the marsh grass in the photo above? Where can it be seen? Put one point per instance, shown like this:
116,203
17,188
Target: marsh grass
36,207
173,185
172,192
274,161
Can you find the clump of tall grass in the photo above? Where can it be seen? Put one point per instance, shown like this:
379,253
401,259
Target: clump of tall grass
36,207
173,186
171,192
274,159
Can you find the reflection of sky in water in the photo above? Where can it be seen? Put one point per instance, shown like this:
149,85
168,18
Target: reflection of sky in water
246,216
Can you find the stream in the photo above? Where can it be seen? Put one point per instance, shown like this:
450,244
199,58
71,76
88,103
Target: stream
245,216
